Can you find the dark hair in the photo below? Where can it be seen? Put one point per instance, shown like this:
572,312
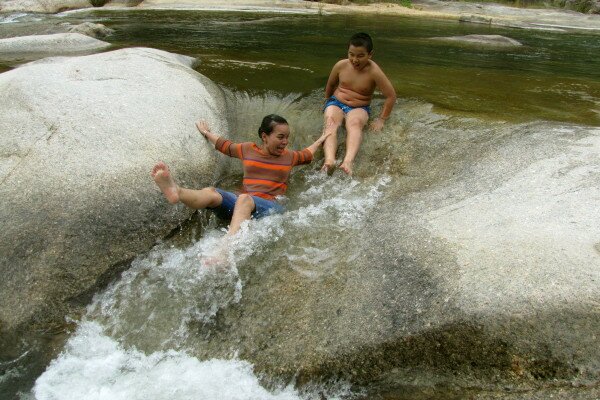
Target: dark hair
361,40
269,122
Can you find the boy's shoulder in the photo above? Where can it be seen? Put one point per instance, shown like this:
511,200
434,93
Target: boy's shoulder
341,63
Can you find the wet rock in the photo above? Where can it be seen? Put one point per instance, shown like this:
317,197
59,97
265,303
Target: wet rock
476,19
484,40
80,136
93,30
479,267
28,48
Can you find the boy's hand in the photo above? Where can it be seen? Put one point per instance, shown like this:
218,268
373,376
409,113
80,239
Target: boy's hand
203,128
377,125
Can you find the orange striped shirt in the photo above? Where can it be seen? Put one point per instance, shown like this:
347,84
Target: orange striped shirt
265,175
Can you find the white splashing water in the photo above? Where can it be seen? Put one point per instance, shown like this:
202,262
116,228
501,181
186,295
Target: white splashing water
96,367
131,343
12,18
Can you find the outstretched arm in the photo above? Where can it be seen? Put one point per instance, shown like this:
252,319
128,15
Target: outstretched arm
315,146
206,132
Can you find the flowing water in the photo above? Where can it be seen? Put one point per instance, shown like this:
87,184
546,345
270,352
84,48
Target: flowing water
146,336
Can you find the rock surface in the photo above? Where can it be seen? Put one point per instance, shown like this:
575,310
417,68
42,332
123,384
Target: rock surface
92,30
43,6
80,136
29,48
480,265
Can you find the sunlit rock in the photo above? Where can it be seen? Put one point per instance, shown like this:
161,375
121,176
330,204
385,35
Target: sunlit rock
92,30
478,264
28,48
42,6
79,138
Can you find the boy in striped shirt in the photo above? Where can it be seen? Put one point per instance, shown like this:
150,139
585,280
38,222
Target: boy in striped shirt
266,171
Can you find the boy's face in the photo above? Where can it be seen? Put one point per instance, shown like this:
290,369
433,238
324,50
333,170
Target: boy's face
277,141
358,56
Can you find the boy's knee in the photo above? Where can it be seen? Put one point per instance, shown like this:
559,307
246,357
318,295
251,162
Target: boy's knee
212,191
245,200
213,195
331,122
355,124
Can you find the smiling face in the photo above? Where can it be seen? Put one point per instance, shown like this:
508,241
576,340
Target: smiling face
275,143
358,56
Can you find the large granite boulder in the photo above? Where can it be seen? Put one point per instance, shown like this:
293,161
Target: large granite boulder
33,47
480,266
79,138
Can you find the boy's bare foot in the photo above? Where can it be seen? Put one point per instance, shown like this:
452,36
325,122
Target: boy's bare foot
328,167
165,182
346,166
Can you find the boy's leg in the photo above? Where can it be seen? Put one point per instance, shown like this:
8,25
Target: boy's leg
207,197
162,177
244,206
355,122
333,118
203,198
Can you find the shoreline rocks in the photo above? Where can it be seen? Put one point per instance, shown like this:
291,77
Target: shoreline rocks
559,19
42,6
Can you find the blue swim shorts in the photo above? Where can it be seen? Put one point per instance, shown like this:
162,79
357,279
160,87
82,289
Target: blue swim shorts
333,101
263,207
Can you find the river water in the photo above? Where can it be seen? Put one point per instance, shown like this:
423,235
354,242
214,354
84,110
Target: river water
149,334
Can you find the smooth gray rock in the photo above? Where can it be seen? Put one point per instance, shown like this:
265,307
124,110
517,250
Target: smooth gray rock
484,40
43,6
79,138
551,19
92,30
29,48
479,267
475,19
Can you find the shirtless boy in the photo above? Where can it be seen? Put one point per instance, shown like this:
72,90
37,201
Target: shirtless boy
348,95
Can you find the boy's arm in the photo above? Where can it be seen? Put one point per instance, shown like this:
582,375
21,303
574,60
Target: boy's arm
333,81
387,89
206,132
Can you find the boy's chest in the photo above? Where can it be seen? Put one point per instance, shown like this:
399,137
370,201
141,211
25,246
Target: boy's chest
358,81
268,170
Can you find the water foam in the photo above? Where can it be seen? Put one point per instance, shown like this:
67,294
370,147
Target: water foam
132,342
12,18
136,339
96,367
